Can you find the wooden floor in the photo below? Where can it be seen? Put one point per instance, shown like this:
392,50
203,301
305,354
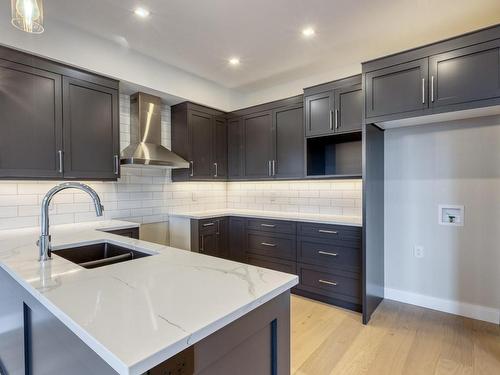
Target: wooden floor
400,339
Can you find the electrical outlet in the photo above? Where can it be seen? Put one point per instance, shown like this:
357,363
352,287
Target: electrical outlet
418,251
194,197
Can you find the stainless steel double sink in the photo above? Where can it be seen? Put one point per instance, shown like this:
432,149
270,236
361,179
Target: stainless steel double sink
99,254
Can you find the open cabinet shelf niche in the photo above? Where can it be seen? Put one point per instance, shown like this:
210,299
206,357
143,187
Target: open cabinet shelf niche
335,156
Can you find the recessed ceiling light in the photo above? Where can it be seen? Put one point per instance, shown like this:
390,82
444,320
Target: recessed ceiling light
308,32
234,61
141,12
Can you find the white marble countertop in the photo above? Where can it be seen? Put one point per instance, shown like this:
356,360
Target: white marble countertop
275,215
137,314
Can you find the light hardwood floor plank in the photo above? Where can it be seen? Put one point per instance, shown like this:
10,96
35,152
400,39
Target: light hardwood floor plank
401,339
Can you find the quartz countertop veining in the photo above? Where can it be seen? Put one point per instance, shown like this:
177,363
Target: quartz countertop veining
139,313
274,215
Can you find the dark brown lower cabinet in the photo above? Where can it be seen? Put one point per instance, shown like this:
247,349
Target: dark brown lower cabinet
326,257
129,232
210,237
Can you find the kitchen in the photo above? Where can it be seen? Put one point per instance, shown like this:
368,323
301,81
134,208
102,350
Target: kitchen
348,187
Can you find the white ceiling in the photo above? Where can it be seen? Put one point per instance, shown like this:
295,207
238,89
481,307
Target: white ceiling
200,35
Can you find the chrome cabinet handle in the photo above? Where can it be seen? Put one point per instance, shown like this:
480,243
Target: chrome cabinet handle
208,224
332,283
117,163
269,167
337,119
327,253
268,244
218,228
202,244
432,89
274,167
216,170
331,120
268,225
192,168
423,90
61,161
327,231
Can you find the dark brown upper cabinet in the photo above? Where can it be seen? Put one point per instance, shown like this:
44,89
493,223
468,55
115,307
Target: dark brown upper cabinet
199,135
456,74
220,148
334,107
319,113
57,122
258,146
91,130
31,125
200,143
397,89
288,134
348,114
465,75
235,148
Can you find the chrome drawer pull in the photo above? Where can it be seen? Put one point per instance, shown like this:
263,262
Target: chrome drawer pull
268,244
268,225
327,231
333,283
327,253
208,224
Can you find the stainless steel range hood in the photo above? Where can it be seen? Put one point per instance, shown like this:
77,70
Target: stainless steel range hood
145,136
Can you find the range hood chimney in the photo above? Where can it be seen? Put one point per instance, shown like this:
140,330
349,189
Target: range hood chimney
145,147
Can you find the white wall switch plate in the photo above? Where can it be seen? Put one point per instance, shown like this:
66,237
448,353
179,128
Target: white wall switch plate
451,214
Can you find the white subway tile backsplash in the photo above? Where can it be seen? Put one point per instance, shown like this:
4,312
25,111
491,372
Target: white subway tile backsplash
148,195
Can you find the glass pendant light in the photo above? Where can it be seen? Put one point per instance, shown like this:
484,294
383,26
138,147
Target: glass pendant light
27,15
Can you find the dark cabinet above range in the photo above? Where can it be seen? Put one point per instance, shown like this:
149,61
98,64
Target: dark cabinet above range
57,122
334,107
457,74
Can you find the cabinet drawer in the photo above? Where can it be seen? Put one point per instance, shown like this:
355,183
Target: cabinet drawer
337,284
342,233
324,253
276,226
208,226
272,263
277,246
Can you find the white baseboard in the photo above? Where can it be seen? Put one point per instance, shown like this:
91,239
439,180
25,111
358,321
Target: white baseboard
487,314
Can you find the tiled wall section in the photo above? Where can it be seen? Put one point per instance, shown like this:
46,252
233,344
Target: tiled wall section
322,197
148,195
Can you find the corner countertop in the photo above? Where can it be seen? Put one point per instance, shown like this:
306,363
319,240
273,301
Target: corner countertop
165,302
274,215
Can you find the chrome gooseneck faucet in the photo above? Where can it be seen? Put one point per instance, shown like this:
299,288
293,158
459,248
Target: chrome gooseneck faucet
44,241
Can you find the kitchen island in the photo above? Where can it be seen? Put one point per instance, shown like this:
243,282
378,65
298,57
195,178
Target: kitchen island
169,311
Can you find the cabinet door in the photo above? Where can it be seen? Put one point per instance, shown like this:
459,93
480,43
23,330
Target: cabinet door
220,148
91,130
222,237
31,125
237,239
319,113
465,75
258,145
397,89
348,114
200,143
235,147
288,132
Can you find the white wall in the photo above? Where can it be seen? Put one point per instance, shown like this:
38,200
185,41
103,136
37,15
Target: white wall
451,163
